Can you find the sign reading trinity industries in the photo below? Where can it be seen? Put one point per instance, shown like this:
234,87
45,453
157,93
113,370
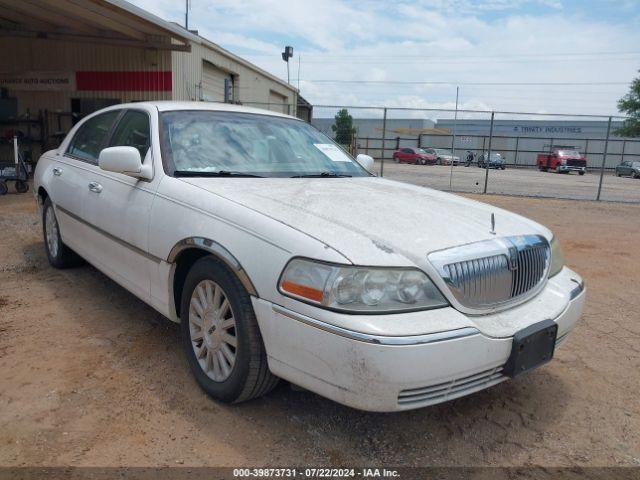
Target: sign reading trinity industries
546,129
131,81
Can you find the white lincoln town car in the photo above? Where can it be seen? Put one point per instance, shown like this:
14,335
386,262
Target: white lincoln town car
283,257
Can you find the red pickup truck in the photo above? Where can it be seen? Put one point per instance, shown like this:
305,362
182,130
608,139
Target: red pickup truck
562,159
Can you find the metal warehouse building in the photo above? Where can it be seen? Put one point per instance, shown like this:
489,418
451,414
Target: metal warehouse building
63,59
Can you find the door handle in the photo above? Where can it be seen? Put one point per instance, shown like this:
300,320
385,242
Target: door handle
95,187
57,171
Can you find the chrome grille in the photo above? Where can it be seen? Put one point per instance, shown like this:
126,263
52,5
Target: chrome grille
494,272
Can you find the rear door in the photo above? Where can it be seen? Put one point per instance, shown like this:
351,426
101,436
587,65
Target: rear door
118,208
68,180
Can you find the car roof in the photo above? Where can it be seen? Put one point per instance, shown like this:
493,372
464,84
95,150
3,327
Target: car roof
168,105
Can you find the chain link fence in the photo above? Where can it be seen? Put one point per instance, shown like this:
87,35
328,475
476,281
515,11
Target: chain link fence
520,148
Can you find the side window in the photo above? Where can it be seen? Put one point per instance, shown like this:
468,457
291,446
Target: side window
90,138
133,131
407,150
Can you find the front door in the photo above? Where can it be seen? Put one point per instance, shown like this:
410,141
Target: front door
118,207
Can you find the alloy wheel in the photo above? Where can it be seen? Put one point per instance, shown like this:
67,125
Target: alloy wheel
51,232
212,326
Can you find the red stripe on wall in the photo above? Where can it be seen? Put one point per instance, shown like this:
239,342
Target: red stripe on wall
124,81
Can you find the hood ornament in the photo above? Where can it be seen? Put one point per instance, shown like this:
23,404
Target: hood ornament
493,225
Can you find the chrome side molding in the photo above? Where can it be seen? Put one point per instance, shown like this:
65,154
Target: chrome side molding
377,339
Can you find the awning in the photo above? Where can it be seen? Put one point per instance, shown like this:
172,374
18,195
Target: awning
113,22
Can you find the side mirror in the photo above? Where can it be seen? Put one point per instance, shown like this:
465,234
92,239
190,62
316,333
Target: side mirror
125,160
365,161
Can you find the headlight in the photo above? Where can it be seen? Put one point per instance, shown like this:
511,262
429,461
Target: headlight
359,289
557,259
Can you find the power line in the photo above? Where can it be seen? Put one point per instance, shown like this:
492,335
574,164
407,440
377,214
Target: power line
455,55
420,82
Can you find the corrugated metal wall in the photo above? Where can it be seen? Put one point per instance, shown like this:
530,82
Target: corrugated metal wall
250,86
41,55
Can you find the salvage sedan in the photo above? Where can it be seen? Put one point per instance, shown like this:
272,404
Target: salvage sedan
283,257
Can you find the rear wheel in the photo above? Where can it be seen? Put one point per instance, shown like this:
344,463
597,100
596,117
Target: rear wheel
580,173
59,255
220,335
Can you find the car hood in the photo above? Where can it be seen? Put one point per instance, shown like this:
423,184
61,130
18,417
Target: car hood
370,221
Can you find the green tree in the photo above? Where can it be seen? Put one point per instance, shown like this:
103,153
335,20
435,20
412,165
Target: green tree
343,127
630,104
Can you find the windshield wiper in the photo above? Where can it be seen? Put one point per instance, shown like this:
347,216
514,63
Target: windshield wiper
321,175
219,173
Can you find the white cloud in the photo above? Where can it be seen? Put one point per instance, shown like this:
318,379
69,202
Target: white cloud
429,40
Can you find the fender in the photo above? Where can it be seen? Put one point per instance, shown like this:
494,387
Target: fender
219,252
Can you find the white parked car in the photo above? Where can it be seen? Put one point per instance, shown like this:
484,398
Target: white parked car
444,156
282,257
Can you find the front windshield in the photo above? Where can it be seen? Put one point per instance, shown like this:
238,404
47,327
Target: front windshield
421,150
211,142
569,153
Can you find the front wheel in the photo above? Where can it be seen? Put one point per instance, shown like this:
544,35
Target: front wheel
3,187
220,335
580,173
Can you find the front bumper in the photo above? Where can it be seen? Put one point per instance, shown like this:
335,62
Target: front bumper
375,372
567,168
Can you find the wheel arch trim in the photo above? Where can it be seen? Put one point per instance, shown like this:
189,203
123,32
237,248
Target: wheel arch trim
219,251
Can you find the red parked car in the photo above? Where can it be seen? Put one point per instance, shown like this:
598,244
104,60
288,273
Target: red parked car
417,156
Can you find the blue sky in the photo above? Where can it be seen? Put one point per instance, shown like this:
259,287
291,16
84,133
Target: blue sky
452,41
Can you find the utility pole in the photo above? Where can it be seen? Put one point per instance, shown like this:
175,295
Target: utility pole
186,14
453,141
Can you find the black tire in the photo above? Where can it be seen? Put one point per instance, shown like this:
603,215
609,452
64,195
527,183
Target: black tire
63,256
250,376
502,168
580,173
3,187
21,186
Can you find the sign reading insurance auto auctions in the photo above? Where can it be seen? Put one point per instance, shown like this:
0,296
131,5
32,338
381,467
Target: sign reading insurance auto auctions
38,81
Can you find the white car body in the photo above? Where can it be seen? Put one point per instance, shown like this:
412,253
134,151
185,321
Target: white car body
134,230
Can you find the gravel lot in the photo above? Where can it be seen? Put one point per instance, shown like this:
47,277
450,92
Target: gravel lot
89,375
516,181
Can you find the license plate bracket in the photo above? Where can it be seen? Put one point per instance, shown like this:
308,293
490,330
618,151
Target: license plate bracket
532,347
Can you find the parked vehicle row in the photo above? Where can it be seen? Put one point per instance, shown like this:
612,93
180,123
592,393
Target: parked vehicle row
560,159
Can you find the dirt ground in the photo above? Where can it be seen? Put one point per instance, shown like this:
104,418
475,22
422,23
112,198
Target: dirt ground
91,376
